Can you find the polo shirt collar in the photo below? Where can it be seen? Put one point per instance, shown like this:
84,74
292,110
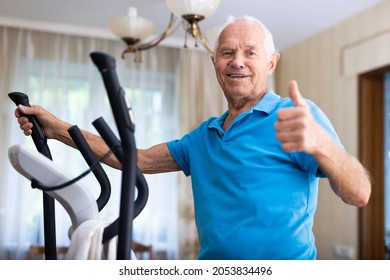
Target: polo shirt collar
266,104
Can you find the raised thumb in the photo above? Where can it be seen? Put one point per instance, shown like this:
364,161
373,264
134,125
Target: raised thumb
295,95
24,109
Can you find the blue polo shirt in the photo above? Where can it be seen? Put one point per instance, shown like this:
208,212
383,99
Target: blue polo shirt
252,200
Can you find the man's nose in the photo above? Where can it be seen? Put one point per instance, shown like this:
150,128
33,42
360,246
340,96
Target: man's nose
237,62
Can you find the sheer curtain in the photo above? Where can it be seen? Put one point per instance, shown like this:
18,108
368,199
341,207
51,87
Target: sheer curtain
56,72
202,98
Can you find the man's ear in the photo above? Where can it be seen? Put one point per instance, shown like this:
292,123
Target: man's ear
273,62
212,58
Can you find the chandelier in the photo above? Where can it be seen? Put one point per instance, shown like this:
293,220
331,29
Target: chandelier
133,30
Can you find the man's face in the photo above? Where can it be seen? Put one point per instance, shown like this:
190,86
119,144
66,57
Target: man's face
241,63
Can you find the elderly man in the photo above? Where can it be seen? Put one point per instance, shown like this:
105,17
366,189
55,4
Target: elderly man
255,169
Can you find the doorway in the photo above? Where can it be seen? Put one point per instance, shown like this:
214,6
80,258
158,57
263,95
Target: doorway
372,154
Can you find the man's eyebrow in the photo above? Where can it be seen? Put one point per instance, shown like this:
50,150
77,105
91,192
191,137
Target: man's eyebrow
225,49
250,47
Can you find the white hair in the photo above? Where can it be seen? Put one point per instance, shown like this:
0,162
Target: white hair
269,46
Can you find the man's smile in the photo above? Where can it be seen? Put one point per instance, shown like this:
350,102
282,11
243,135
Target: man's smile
237,76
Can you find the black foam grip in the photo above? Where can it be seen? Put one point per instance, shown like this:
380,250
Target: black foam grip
38,134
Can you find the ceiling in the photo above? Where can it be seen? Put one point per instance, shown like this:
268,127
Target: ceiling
290,21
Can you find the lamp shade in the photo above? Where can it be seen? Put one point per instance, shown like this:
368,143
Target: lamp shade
193,7
131,26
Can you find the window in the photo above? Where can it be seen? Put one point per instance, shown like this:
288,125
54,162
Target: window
75,92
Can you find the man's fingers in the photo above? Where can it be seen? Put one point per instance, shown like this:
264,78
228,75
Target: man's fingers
26,110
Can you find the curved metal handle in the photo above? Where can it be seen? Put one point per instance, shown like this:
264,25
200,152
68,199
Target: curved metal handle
122,115
98,171
40,141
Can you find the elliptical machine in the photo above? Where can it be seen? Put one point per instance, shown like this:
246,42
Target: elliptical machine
55,183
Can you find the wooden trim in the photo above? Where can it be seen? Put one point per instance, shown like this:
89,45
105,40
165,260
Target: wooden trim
371,153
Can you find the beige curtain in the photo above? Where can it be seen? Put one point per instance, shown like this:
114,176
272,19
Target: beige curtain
200,98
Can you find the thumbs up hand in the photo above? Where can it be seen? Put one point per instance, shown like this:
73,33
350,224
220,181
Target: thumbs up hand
296,127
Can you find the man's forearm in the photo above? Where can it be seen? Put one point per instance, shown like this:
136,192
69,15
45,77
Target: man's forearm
347,176
97,144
